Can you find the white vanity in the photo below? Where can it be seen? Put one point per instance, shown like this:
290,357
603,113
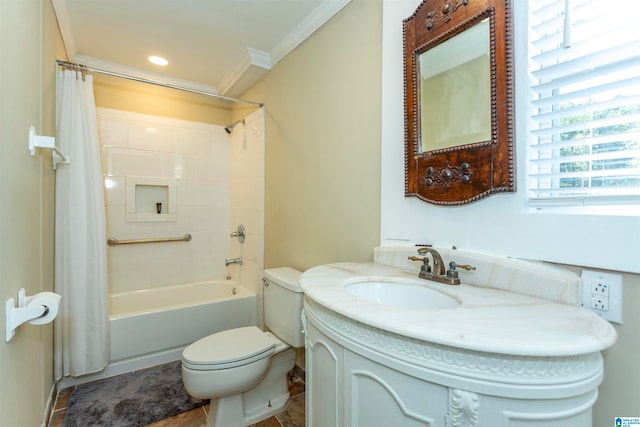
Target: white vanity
510,346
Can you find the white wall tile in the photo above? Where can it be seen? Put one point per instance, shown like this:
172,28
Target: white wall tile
192,141
150,136
198,156
127,162
175,165
114,191
113,132
215,167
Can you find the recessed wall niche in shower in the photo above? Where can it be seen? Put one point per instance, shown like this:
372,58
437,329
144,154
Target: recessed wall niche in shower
150,199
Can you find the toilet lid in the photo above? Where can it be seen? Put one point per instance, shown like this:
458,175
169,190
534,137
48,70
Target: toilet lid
227,349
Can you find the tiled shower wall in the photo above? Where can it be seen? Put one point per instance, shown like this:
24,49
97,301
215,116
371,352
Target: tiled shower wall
247,202
199,158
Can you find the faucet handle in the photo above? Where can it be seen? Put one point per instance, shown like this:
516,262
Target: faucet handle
425,267
240,233
453,273
453,265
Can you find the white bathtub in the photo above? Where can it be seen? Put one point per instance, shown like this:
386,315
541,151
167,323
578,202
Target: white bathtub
153,326
162,321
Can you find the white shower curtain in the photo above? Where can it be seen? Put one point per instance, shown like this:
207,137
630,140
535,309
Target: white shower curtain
82,328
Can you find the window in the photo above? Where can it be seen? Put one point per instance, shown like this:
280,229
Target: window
584,65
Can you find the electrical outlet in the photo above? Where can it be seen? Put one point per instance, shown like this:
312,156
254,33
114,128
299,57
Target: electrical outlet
602,293
600,303
599,288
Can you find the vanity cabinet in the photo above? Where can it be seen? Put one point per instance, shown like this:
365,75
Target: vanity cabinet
347,389
361,376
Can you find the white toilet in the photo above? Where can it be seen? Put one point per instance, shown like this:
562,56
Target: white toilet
244,370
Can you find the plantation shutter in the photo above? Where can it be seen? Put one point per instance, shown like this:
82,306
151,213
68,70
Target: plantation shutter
584,64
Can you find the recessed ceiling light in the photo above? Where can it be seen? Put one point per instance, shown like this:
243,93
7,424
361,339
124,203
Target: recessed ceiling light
158,60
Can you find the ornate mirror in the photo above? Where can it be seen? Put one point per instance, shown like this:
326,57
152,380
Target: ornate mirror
459,101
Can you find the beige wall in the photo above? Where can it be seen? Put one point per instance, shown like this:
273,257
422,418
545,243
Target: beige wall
323,143
121,94
27,82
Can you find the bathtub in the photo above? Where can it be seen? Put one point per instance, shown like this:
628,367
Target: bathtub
153,326
158,323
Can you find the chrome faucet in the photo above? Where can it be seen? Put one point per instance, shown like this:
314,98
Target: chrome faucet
227,262
437,272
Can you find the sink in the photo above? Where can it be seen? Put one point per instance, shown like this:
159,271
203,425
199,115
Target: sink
401,295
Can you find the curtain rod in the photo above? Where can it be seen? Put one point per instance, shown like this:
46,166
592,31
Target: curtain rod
84,68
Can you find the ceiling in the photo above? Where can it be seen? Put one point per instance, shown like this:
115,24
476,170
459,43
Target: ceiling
219,46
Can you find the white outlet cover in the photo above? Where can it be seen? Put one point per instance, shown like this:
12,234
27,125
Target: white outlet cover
589,279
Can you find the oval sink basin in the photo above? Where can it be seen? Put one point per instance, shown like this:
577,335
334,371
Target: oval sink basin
402,295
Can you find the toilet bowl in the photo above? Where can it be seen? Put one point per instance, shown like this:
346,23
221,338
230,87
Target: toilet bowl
244,370
227,363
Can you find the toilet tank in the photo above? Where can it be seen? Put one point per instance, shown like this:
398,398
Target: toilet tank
283,304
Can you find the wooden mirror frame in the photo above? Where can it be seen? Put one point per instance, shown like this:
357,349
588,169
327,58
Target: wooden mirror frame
465,173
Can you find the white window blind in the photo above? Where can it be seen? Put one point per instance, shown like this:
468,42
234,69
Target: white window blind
584,64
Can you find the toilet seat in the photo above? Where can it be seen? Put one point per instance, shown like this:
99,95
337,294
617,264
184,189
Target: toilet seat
228,349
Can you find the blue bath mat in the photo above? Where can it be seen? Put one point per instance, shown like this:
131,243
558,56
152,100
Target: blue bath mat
135,399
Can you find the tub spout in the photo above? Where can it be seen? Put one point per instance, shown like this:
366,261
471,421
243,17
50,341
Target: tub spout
228,262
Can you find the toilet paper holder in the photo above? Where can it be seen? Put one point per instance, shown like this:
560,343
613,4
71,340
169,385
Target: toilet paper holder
17,315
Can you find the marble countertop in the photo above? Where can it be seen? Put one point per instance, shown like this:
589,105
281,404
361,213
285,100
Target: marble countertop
487,320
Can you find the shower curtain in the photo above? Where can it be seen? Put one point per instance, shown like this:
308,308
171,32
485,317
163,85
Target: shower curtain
82,328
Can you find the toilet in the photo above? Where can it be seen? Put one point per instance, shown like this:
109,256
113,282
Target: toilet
244,370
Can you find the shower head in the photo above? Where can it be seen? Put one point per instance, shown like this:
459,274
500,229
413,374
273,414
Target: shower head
229,128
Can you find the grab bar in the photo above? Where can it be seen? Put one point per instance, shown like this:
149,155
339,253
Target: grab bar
115,242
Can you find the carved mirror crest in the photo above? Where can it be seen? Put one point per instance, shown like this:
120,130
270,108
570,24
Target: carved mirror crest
458,65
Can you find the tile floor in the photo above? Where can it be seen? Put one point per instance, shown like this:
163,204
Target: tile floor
292,416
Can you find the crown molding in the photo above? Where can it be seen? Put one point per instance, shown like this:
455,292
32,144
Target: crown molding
260,59
258,62
256,65
242,80
315,20
64,24
252,70
114,67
